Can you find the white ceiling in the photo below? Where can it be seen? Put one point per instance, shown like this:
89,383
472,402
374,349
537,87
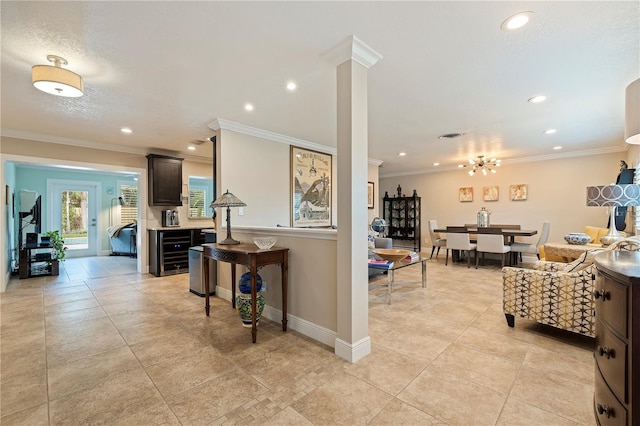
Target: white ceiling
168,69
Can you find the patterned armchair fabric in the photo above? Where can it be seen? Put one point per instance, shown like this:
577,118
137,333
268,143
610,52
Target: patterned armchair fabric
550,296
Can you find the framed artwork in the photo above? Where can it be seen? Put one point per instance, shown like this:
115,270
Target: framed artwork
310,188
370,194
518,192
490,193
465,194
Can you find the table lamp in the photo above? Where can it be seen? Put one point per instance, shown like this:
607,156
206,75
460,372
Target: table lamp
613,196
228,200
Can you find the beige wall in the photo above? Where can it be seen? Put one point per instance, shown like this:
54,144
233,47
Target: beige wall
556,192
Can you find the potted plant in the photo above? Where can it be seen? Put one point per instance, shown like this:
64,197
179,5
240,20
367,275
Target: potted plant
59,250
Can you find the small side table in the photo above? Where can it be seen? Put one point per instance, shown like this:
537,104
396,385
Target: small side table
253,257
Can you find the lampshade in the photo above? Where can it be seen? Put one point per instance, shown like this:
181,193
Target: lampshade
613,195
632,113
56,80
227,200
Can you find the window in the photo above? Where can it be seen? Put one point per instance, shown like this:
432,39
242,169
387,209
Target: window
197,197
128,212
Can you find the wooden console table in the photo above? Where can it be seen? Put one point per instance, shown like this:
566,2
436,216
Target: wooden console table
252,257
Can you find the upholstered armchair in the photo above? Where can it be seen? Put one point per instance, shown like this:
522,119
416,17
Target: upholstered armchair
553,293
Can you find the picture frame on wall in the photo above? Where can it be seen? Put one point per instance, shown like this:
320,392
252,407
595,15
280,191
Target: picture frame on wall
518,192
310,188
490,193
465,194
370,194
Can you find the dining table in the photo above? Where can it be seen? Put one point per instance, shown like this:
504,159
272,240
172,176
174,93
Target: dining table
511,234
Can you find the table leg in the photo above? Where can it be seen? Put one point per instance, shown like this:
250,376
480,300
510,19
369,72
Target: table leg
205,270
424,274
284,269
390,286
254,272
233,285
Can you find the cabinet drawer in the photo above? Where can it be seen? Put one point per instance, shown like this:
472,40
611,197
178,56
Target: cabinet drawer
611,305
611,358
608,410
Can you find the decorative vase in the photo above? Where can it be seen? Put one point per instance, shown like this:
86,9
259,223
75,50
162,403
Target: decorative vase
243,300
243,304
577,238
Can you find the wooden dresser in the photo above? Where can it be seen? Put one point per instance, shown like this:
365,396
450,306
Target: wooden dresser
617,345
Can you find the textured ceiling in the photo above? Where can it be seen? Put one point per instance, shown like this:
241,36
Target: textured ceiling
168,69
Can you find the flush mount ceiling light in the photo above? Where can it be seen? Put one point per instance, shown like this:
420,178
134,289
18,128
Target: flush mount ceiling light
516,21
56,80
632,113
481,164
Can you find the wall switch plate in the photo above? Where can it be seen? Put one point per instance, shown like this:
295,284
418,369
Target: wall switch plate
149,216
240,211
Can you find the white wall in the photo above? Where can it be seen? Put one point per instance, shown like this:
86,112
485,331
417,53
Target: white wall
556,192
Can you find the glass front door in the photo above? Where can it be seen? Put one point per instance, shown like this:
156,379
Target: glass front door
73,213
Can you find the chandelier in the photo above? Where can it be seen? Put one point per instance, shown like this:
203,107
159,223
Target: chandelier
481,164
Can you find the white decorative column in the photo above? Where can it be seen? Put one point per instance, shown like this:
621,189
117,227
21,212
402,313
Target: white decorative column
353,58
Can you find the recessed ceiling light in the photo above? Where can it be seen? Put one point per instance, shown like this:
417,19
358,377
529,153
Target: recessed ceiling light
248,107
516,21
557,147
550,131
126,130
191,148
436,164
402,154
537,99
291,86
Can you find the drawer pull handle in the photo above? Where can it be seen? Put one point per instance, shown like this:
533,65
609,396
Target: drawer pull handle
604,294
605,409
606,352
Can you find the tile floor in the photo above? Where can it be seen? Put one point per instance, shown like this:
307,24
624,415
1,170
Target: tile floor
102,344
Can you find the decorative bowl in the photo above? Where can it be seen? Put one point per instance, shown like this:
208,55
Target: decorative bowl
577,238
264,243
392,255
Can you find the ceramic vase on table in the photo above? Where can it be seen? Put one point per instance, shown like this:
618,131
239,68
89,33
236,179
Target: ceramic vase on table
243,300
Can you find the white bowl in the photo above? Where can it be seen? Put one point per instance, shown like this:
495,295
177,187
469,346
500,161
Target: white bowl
577,238
264,243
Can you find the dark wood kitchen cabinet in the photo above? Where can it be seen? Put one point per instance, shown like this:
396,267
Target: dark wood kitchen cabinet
165,180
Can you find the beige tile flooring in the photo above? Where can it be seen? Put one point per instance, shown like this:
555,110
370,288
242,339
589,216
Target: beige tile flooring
101,344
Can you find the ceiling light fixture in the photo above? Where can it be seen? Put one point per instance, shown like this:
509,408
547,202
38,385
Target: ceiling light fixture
56,80
537,99
516,21
557,147
191,148
436,164
632,113
481,164
291,86
126,130
550,131
248,107
402,154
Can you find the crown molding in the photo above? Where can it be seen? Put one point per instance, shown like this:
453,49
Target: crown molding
546,157
352,48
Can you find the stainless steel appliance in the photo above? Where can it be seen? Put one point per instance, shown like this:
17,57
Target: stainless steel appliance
170,218
196,274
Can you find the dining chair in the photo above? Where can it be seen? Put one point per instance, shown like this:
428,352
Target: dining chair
519,248
436,241
458,239
490,240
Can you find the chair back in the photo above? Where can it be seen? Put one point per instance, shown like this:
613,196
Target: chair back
490,240
433,224
544,235
458,238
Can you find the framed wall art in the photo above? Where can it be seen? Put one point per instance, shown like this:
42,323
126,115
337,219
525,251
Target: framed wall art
310,188
370,194
465,194
518,192
490,193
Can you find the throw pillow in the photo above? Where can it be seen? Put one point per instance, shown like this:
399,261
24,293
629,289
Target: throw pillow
371,240
583,262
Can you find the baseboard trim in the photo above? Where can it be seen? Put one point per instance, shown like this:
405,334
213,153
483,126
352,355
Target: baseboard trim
353,352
